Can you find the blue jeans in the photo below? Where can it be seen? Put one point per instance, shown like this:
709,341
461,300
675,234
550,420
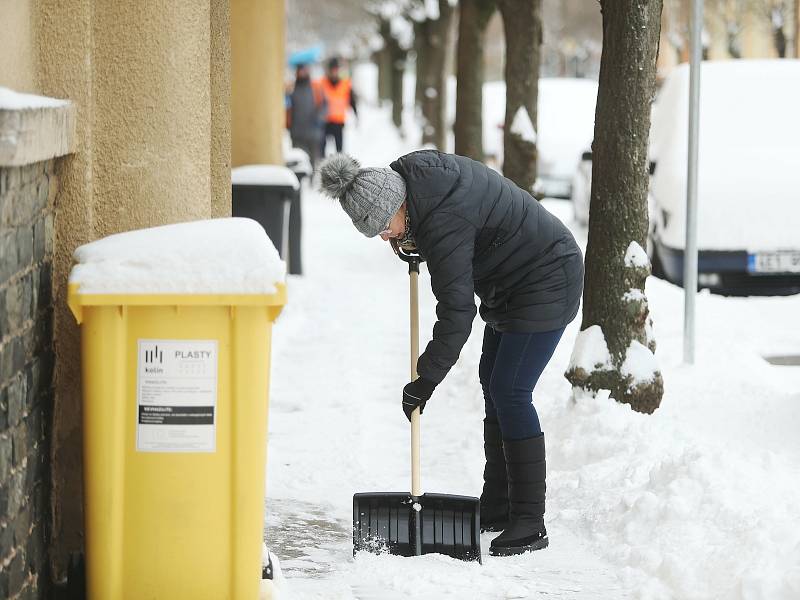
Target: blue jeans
510,366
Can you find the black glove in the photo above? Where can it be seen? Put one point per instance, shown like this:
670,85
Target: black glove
415,394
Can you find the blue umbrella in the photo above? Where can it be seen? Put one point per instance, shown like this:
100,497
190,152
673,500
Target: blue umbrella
305,56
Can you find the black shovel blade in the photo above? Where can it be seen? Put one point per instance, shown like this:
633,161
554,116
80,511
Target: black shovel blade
398,523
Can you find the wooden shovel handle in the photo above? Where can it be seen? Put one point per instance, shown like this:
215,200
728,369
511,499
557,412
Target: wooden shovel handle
413,272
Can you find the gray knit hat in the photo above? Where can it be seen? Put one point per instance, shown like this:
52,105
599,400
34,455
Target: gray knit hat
371,196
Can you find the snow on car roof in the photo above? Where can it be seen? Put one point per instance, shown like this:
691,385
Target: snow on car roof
749,154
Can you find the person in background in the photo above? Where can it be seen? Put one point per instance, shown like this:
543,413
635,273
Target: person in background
305,114
338,94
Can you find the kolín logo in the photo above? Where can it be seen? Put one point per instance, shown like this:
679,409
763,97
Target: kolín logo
151,356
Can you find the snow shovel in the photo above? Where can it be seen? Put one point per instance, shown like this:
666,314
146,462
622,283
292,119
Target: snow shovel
416,523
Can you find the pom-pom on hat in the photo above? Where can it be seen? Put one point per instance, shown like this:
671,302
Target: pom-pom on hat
370,196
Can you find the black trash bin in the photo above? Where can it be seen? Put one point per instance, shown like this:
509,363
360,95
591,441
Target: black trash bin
297,160
264,193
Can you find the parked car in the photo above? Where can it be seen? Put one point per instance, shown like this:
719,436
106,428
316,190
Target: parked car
748,176
565,127
581,190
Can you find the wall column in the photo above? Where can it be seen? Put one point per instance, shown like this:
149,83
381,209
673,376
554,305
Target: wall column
257,69
149,80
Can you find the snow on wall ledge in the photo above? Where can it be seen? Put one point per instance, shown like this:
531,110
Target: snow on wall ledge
12,100
217,256
34,128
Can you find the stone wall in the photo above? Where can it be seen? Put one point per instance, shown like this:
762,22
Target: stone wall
26,373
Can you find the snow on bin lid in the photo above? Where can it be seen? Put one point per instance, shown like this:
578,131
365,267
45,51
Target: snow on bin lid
299,160
218,256
264,175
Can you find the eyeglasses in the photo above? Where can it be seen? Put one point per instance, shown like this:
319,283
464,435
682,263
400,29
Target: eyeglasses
388,229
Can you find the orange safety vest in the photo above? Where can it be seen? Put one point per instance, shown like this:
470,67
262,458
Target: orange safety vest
337,97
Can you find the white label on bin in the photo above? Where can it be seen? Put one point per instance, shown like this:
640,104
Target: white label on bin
176,396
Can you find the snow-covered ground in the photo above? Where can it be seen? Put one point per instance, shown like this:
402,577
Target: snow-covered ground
699,500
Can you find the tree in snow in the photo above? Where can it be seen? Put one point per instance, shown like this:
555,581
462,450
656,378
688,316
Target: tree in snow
618,353
522,22
474,17
396,34
779,13
383,61
731,15
433,49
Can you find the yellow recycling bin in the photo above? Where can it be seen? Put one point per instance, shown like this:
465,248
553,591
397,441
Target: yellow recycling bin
175,406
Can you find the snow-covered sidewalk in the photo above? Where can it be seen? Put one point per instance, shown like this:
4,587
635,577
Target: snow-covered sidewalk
699,500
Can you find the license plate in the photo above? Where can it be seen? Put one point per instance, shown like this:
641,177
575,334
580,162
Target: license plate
780,261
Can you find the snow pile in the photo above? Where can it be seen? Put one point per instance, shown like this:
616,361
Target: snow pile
636,257
402,30
640,364
634,295
522,126
683,518
275,588
697,501
264,175
11,100
431,9
591,351
218,256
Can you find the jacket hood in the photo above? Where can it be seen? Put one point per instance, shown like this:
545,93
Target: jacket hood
430,176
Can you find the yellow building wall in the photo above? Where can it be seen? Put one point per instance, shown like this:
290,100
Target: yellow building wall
220,157
151,82
257,67
17,69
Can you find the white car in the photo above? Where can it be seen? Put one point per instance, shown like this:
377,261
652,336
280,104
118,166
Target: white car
748,176
565,127
581,191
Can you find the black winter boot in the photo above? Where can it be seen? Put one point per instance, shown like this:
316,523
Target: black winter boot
494,498
526,490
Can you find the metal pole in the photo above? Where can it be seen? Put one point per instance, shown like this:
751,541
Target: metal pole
690,249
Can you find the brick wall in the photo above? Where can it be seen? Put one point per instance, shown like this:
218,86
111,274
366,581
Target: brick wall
26,368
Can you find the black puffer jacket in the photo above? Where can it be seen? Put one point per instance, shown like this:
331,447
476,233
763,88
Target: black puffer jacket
481,234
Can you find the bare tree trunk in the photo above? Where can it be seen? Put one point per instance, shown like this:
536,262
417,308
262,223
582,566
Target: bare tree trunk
421,50
522,22
779,39
614,297
395,58
434,80
398,56
381,58
473,20
732,36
